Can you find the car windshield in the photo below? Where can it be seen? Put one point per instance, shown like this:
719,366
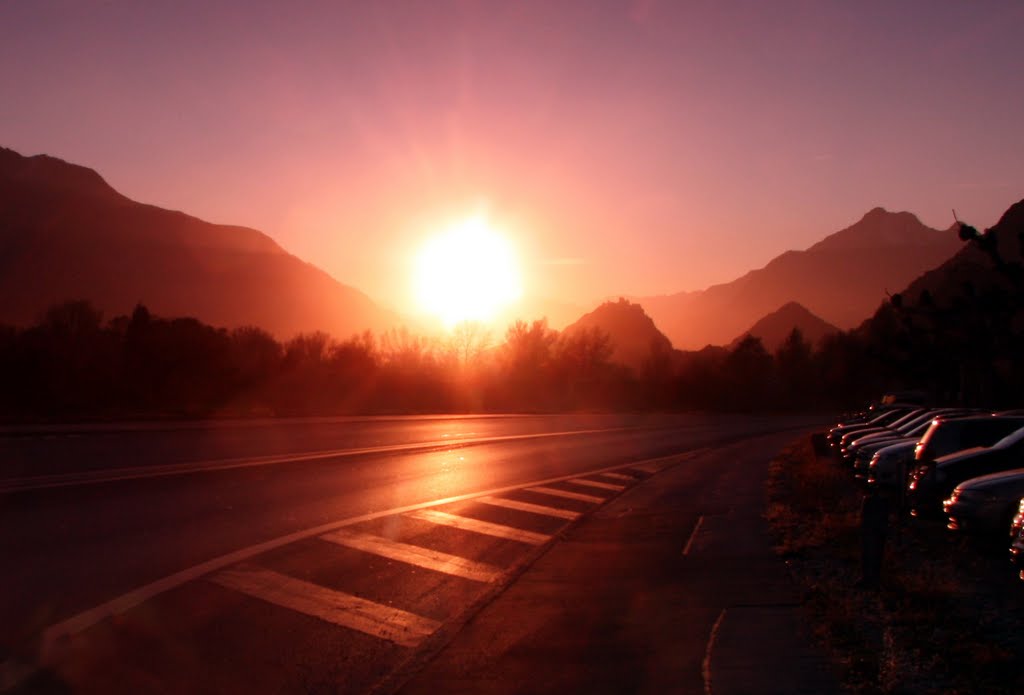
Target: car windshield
903,419
922,420
921,428
1012,439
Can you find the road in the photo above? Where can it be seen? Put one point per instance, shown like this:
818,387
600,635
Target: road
215,512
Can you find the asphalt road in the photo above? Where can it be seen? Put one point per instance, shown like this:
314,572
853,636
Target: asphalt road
206,542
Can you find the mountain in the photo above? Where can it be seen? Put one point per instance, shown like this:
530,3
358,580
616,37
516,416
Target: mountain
633,334
774,328
841,279
66,234
972,269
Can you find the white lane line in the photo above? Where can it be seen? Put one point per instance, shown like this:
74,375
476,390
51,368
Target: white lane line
594,483
566,494
57,633
693,535
651,468
705,665
393,624
415,555
486,527
527,507
53,480
619,476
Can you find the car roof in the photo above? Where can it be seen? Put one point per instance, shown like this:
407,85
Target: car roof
993,478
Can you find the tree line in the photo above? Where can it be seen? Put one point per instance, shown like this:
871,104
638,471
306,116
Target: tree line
72,364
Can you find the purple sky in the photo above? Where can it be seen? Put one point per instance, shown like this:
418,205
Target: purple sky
628,147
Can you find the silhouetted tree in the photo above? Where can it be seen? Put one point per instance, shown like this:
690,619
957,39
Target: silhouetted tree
582,373
795,362
749,375
525,362
657,375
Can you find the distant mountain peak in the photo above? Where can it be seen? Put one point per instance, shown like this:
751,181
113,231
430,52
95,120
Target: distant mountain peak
842,279
879,227
633,333
774,328
42,170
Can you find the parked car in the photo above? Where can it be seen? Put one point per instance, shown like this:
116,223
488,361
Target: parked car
929,484
1017,540
986,504
956,434
859,452
887,416
946,435
1018,521
854,433
888,466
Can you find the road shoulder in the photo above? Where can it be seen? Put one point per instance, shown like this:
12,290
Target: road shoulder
672,587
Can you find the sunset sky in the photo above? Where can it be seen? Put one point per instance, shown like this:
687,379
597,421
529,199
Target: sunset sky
624,147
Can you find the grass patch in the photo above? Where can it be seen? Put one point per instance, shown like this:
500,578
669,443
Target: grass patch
947,618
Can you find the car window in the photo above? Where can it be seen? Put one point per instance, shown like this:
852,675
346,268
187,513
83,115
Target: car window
1010,440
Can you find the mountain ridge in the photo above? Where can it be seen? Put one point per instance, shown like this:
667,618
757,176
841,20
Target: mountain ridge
841,279
67,234
971,264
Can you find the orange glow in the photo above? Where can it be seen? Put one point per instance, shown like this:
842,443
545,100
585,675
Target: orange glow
467,273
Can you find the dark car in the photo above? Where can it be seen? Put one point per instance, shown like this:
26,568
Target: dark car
876,420
858,454
956,434
987,504
945,435
879,425
888,466
929,484
1018,520
1017,539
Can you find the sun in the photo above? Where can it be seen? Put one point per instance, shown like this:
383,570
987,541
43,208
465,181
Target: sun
469,272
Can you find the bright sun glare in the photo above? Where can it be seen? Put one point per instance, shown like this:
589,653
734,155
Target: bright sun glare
467,273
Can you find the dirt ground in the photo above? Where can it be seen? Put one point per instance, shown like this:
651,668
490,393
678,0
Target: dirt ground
947,617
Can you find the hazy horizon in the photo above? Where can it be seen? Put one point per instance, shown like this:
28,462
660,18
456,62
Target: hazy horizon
559,313
631,149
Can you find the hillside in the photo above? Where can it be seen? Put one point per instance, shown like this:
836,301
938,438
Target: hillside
633,334
775,328
971,269
66,234
841,279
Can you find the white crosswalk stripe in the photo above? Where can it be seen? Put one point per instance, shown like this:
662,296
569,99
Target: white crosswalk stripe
544,490
528,507
477,526
600,486
415,555
393,624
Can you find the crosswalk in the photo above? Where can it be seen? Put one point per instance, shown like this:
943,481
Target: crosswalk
403,627
393,624
393,580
